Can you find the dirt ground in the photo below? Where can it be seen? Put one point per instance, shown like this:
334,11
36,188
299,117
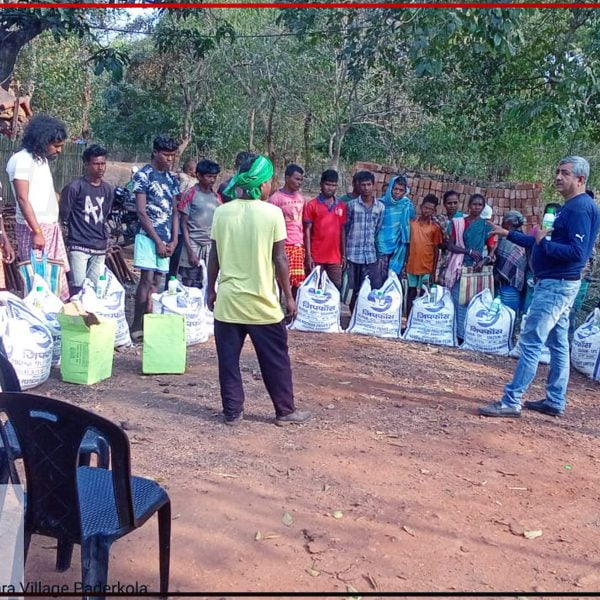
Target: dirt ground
396,485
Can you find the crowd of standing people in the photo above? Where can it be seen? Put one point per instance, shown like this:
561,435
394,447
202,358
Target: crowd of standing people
251,237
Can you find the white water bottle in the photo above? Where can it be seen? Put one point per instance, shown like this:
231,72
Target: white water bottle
101,286
172,286
548,221
38,297
495,306
433,292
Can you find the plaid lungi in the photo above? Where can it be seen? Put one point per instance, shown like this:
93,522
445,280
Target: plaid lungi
295,256
194,276
55,248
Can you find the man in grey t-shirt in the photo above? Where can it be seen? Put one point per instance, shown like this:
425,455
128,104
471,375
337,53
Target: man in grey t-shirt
197,209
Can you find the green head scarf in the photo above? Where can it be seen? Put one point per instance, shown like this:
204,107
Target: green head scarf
251,180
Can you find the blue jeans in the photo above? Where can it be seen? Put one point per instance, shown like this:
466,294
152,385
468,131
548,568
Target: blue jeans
85,265
547,323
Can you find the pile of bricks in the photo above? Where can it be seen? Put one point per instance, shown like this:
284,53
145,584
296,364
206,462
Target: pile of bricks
502,197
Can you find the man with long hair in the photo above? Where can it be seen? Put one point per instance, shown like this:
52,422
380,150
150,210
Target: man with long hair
37,226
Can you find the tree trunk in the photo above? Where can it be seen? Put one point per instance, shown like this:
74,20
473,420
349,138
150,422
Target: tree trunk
270,128
184,143
86,133
340,134
187,127
330,145
251,129
307,124
12,42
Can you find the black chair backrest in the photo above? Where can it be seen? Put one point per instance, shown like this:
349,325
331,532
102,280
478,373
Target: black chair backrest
49,433
9,382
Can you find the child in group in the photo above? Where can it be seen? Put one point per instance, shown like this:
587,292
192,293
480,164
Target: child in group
426,236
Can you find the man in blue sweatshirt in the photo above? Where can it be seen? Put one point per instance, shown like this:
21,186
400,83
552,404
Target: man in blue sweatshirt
557,265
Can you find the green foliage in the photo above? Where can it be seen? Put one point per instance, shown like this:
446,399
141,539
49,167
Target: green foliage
498,88
120,122
19,26
57,75
111,61
491,93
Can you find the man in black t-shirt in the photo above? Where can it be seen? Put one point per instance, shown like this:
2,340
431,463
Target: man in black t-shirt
84,206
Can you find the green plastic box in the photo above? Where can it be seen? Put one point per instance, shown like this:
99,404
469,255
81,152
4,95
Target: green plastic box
87,345
164,344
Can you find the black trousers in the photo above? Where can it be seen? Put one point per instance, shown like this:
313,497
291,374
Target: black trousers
174,261
270,344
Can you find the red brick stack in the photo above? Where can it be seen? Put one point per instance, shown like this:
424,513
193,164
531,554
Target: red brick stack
502,197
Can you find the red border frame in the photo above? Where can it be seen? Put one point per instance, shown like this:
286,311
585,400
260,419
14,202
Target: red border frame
318,4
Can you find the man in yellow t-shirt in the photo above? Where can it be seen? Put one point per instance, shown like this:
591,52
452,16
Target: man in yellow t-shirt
248,254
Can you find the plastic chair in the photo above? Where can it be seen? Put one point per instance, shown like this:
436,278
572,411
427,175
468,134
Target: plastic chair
91,443
79,504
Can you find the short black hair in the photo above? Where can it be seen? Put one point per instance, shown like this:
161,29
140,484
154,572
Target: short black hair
207,167
247,164
448,194
242,157
42,131
94,151
293,168
164,143
431,199
330,175
364,176
476,196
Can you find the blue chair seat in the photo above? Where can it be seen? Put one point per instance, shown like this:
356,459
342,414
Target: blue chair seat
97,501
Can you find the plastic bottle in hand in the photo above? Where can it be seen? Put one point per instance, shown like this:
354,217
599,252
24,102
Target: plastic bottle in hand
172,286
548,221
38,297
101,286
